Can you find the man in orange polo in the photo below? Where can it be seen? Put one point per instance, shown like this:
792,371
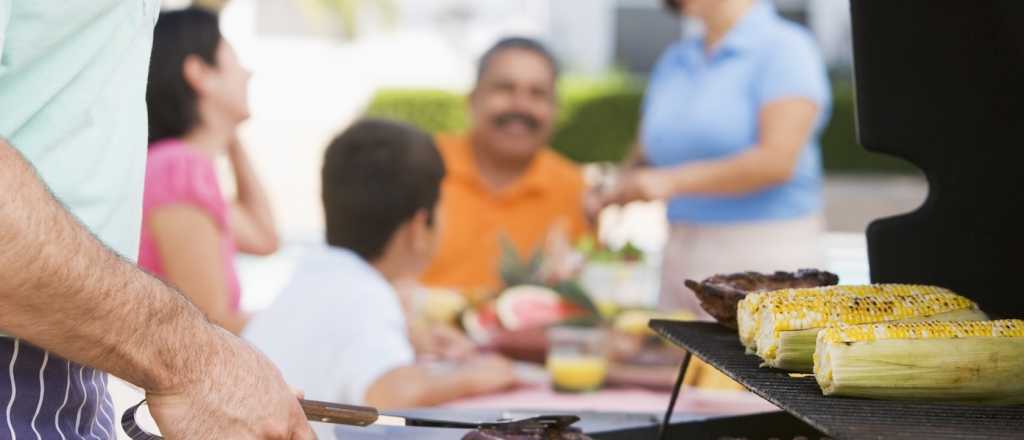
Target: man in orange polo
503,180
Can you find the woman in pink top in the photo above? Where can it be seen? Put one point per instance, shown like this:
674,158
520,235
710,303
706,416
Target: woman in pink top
197,97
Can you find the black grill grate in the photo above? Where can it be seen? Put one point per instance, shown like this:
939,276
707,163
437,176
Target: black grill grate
841,418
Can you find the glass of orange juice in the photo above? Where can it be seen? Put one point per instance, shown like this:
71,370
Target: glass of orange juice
577,360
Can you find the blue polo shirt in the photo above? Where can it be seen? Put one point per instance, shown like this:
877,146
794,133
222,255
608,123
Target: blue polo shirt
703,107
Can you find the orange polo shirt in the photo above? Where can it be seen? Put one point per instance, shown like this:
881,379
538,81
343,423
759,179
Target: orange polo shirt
475,216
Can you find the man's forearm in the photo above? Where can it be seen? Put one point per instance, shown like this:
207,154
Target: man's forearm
62,290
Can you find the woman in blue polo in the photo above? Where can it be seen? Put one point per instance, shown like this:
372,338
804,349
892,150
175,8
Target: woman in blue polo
729,138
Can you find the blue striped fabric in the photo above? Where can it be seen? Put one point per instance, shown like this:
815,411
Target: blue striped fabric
46,397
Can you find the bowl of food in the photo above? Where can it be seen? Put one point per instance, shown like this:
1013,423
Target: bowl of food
719,294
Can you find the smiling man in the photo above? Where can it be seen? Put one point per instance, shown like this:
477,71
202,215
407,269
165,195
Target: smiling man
503,179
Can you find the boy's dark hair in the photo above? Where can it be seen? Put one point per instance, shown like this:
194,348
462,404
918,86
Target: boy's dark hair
672,5
377,174
170,100
523,43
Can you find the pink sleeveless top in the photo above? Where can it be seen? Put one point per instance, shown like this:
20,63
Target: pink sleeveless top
178,175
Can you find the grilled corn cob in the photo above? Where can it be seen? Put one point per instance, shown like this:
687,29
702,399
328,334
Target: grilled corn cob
750,306
788,325
746,324
976,361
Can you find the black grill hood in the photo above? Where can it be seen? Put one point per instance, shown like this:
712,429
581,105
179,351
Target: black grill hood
940,83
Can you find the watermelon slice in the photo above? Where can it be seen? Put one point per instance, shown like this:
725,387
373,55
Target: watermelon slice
481,323
524,307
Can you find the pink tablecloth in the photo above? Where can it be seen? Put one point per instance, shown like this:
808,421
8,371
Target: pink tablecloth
705,402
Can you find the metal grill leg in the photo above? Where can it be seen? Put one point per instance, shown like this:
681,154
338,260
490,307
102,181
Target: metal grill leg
663,429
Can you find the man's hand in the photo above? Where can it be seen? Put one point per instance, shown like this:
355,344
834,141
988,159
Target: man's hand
238,394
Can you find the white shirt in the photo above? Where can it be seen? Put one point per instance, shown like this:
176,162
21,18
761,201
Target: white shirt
335,329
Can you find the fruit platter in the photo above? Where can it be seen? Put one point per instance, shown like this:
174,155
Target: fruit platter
523,320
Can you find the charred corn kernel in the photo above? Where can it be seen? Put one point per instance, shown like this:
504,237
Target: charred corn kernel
977,361
923,330
788,325
746,312
748,309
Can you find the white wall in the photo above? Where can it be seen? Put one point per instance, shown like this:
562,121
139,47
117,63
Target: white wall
582,34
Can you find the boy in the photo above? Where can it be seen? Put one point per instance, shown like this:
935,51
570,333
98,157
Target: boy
338,331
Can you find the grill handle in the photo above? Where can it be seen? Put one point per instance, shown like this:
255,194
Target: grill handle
315,411
339,414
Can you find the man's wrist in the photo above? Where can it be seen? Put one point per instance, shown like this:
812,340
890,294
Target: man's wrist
185,360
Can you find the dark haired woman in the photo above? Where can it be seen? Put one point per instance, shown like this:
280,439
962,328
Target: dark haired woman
729,139
197,98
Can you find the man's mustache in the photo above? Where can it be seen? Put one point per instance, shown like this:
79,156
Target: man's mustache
504,119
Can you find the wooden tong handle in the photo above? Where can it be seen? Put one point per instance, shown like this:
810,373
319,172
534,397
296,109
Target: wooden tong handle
339,414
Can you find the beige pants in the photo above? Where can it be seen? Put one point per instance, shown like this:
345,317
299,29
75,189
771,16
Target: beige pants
699,251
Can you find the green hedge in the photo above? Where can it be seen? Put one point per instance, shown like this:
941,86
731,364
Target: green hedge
434,111
599,117
840,151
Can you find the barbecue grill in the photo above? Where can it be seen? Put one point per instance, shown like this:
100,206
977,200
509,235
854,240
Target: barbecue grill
939,83
839,418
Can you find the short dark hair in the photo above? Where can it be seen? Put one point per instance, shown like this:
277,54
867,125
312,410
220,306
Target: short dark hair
377,175
523,43
672,5
171,102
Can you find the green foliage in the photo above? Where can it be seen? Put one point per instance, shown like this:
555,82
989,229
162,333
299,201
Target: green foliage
598,252
572,292
347,12
840,150
210,5
515,270
599,119
434,111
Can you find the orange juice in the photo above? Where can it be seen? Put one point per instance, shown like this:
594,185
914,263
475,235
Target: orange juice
577,373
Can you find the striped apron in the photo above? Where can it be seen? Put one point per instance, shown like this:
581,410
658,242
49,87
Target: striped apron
47,397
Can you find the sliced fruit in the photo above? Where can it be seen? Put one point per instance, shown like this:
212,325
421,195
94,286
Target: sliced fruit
608,309
442,305
523,307
481,323
633,322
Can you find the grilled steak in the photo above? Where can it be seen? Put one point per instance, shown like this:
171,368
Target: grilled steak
719,294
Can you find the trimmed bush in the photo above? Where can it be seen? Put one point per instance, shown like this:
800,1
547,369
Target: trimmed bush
434,111
599,120
840,150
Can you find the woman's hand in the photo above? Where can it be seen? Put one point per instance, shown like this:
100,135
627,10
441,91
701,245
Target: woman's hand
252,221
644,184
